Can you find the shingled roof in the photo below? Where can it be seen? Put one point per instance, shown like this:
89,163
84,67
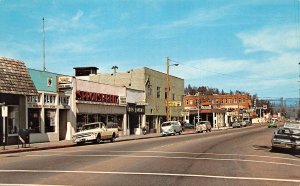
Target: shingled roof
14,78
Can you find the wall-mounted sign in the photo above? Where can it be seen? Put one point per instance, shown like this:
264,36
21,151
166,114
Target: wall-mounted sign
135,109
174,103
123,100
64,83
206,107
96,97
4,111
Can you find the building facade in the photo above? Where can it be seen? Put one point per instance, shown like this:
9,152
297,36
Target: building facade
227,108
47,112
154,86
15,85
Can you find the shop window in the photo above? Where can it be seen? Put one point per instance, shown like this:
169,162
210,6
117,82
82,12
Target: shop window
13,124
81,120
158,92
64,100
34,120
120,122
48,98
33,99
49,120
92,118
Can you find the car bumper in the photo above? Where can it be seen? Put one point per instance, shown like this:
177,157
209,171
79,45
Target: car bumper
83,139
284,145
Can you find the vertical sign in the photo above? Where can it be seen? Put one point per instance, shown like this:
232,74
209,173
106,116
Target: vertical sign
4,115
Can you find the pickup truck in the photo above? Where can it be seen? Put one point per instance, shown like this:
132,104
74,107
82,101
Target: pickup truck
95,132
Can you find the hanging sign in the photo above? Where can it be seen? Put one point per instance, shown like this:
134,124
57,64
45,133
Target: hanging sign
4,111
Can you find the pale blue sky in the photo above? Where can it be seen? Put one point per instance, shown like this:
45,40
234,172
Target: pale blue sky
249,45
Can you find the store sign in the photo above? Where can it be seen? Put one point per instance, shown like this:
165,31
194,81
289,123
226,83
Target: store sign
206,107
4,111
135,109
64,83
174,103
96,97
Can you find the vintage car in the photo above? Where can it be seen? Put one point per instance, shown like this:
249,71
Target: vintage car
286,137
171,127
273,123
203,126
95,132
236,125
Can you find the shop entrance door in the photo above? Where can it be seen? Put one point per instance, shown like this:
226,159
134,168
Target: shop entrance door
62,124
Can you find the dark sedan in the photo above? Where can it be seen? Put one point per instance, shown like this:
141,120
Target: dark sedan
189,126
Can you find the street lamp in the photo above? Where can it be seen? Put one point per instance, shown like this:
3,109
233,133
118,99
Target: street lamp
168,87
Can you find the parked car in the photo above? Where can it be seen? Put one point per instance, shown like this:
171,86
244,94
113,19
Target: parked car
273,123
236,125
244,124
171,127
95,132
203,126
189,126
286,138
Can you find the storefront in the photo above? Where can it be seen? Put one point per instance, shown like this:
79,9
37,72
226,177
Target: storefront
15,85
99,102
47,112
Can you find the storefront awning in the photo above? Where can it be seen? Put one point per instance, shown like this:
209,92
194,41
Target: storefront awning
14,78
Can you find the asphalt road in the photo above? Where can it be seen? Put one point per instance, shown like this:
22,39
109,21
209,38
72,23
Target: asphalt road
229,157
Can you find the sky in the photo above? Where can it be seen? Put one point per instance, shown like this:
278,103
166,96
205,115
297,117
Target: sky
250,45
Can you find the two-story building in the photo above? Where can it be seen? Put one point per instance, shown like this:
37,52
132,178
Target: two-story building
232,106
154,85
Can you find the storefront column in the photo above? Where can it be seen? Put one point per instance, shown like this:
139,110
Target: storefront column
125,124
157,123
43,120
143,120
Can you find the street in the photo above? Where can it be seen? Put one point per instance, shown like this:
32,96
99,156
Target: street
238,156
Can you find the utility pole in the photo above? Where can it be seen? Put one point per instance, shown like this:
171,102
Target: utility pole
168,90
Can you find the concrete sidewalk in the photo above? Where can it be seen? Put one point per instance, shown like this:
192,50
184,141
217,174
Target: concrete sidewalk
69,143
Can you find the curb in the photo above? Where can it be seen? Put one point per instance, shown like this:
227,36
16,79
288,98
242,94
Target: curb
29,149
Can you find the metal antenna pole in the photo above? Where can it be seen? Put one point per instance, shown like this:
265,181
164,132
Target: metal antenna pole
44,55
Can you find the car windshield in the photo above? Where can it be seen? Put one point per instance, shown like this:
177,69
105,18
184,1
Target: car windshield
90,126
166,124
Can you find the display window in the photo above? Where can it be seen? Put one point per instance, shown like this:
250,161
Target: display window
13,123
49,120
34,120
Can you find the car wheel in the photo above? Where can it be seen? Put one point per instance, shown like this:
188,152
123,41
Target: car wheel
98,139
274,149
113,138
80,143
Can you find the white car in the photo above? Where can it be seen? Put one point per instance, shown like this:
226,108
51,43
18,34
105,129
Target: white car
95,132
171,127
203,126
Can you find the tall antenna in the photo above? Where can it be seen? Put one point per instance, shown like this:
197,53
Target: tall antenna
44,55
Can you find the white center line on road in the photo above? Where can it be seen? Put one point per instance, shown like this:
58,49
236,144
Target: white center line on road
168,157
7,184
153,174
187,153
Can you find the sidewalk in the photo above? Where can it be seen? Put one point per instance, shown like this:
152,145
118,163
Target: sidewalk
69,143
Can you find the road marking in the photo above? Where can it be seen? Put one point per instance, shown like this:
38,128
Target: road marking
153,174
165,157
188,153
7,184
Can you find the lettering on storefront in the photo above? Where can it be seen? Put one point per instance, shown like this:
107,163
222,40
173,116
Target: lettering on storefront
96,97
135,109
206,107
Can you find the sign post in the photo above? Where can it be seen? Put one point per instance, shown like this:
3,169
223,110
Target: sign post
4,115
